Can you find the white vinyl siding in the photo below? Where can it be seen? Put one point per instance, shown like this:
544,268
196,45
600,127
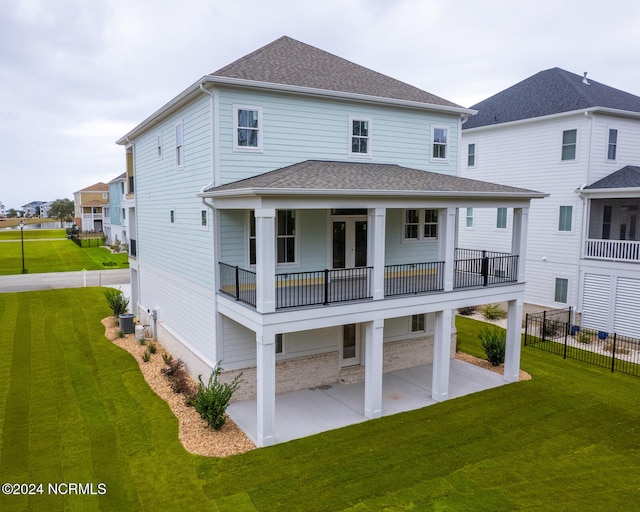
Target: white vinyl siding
596,299
179,145
626,313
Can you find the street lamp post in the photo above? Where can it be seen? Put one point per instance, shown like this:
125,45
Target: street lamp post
21,225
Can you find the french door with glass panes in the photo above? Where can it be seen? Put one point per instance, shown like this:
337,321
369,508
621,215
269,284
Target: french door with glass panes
349,242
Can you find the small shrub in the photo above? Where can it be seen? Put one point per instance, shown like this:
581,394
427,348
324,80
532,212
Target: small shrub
142,341
493,312
177,377
621,349
120,333
117,301
586,336
468,310
494,343
551,328
153,348
211,401
146,356
167,358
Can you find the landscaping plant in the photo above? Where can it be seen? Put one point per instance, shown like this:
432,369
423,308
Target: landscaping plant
493,312
493,342
211,401
117,301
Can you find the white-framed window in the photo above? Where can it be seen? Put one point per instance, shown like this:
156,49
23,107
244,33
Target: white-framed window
360,136
613,144
286,236
420,224
279,344
247,127
501,218
105,195
418,323
172,217
561,290
204,219
159,146
439,143
565,218
122,187
569,143
252,237
471,154
124,213
179,145
469,218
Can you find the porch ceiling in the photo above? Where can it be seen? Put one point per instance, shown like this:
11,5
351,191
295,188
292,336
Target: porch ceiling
331,178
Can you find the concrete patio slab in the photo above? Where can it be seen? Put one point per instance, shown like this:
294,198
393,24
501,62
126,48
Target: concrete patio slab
311,411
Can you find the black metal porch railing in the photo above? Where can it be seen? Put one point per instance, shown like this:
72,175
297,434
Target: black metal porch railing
238,283
482,268
413,278
295,289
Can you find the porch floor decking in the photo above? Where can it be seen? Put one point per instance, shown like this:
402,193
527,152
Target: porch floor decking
311,411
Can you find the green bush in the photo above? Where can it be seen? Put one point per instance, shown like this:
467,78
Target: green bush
493,342
146,356
211,401
117,301
467,310
153,348
586,336
493,312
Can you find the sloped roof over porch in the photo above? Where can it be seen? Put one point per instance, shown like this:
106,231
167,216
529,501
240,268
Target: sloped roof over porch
353,179
627,177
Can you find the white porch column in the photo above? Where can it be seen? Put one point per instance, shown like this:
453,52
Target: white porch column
265,260
376,244
446,248
514,337
519,239
265,388
441,355
373,368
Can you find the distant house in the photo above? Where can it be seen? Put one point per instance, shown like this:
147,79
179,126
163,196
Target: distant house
115,225
32,209
294,217
576,139
90,204
3,212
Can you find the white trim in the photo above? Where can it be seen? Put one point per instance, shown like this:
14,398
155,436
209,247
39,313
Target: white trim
475,155
446,144
606,150
369,139
204,227
555,284
179,148
572,219
236,127
159,148
421,225
576,154
296,238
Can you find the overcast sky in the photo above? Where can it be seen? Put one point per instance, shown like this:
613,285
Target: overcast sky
76,75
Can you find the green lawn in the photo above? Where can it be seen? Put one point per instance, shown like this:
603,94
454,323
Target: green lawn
32,234
56,256
75,408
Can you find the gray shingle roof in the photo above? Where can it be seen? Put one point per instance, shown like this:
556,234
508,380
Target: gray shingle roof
627,177
290,62
314,175
549,92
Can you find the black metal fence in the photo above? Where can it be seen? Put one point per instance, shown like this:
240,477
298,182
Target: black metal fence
554,332
84,242
238,283
413,278
482,268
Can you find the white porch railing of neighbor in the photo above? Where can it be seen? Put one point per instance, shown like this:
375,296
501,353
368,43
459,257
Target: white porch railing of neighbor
614,250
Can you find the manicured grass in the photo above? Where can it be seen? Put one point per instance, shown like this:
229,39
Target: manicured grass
32,234
56,256
74,408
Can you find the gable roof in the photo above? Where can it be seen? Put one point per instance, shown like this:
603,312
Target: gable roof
295,67
96,187
290,62
358,178
549,92
627,177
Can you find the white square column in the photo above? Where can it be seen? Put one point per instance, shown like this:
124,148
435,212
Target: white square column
514,341
265,388
377,222
519,239
265,260
446,247
441,356
373,368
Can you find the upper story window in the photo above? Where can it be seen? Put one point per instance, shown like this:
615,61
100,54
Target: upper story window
179,146
569,141
122,187
439,148
247,128
414,219
471,155
204,219
286,236
360,137
172,217
613,144
159,146
469,218
501,218
124,214
565,218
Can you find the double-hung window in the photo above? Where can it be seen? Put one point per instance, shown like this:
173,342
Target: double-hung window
252,237
159,146
469,218
420,224
247,128
471,155
286,236
417,323
179,145
565,218
613,144
569,141
439,141
501,218
360,137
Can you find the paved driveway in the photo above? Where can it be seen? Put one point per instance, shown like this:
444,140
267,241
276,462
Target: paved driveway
118,278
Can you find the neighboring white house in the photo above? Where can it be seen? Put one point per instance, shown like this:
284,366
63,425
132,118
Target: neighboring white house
295,218
576,139
33,208
115,218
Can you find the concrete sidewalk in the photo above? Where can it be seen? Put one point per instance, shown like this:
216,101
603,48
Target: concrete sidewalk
118,278
311,411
